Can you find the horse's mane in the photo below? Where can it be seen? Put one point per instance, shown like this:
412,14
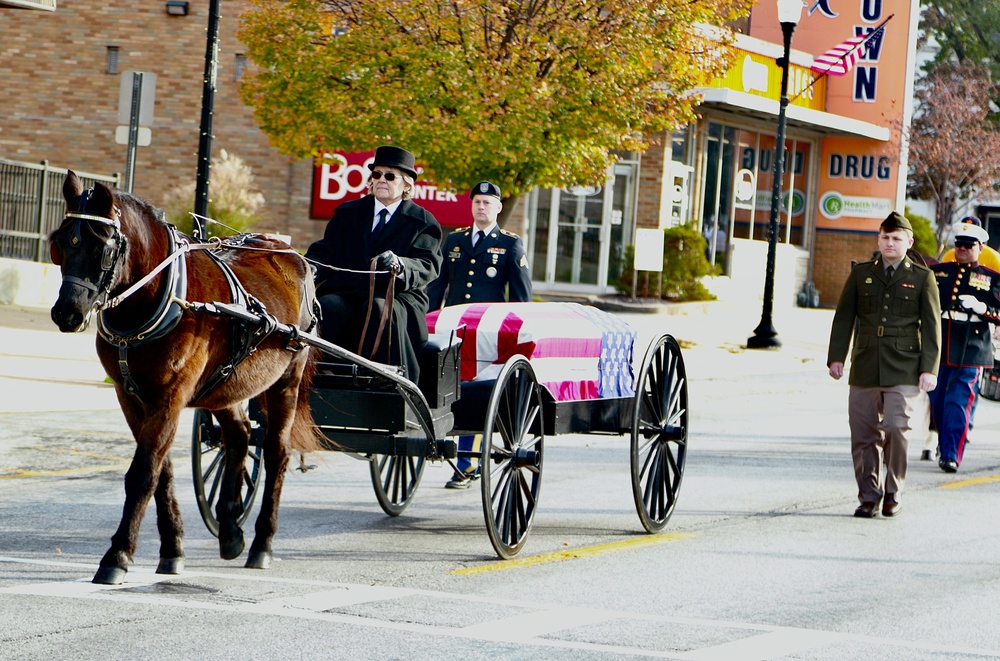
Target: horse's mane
140,205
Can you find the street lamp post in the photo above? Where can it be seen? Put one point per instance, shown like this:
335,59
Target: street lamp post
765,336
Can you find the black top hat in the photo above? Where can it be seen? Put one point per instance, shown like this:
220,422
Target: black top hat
486,188
896,221
394,157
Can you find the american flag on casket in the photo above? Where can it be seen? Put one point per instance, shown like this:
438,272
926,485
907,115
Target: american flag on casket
577,351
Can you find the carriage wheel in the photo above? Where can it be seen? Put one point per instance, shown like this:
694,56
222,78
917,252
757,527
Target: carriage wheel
511,463
395,479
659,433
208,465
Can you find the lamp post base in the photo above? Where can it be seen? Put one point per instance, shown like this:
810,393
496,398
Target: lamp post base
764,337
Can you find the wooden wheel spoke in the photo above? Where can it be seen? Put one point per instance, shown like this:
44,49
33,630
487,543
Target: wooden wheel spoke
525,488
652,404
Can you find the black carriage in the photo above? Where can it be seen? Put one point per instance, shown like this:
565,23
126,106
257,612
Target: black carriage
370,410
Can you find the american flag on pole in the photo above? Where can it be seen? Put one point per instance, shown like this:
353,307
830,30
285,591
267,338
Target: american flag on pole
577,352
841,58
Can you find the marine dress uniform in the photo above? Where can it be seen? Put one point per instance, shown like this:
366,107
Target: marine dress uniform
894,320
970,302
481,273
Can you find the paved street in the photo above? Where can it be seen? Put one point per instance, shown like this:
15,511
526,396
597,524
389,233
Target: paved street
762,559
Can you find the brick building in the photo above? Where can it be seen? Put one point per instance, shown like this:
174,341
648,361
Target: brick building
61,75
845,170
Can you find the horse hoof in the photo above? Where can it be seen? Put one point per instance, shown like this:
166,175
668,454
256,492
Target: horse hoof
231,549
258,560
170,566
110,576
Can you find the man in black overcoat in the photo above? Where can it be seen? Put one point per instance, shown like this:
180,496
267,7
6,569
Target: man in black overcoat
403,239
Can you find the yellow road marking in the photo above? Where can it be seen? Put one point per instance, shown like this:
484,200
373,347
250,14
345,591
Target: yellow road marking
572,554
81,453
120,463
17,472
972,481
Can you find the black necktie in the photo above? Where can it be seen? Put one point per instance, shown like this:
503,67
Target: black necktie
380,225
889,271
479,237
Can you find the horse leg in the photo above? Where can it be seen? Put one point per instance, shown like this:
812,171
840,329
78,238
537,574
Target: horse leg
235,425
280,416
155,432
168,522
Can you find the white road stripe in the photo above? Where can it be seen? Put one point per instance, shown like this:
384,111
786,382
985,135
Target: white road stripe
775,644
523,628
761,642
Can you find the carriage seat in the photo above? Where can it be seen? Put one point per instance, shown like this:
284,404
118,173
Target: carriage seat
439,366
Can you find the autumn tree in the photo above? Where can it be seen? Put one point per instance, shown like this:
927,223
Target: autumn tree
953,145
964,30
525,93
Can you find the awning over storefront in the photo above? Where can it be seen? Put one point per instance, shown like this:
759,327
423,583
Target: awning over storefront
805,118
45,5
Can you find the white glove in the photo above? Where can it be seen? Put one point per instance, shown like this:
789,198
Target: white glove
973,304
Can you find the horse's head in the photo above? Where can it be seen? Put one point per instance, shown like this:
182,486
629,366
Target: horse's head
89,249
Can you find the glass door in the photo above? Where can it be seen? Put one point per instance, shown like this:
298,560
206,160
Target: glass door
579,236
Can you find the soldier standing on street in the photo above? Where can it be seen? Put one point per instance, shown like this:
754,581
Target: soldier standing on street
890,306
970,302
482,264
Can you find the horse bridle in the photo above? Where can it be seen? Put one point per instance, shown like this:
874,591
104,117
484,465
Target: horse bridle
114,248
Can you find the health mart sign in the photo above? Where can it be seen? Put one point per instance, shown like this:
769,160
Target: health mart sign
345,178
833,205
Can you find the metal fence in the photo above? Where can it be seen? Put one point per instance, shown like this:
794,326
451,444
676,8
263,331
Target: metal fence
32,205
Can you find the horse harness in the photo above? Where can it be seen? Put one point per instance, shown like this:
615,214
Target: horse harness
251,323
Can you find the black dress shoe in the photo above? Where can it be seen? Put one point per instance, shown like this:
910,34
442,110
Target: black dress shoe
948,465
890,506
866,510
925,455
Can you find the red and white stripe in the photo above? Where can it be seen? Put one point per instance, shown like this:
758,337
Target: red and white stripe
564,347
841,58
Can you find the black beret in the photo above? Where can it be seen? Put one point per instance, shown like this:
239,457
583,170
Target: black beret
485,188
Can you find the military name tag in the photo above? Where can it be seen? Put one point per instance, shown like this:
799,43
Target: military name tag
491,272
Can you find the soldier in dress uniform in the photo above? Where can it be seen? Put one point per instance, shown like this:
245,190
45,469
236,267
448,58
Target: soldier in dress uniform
890,307
482,264
970,302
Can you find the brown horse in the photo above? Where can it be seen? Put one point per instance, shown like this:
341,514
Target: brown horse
166,350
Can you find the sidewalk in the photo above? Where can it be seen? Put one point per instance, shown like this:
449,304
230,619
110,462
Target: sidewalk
42,369
712,336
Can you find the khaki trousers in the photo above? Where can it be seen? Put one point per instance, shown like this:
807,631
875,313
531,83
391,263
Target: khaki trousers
880,435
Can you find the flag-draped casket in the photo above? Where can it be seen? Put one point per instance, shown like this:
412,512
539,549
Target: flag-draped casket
577,352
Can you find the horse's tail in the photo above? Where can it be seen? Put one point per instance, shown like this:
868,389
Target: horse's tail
305,435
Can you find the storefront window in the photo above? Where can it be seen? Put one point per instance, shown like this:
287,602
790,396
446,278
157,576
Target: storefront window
754,163
745,216
540,234
716,204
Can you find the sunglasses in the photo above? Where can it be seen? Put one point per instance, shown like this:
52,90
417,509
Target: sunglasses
967,245
378,174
